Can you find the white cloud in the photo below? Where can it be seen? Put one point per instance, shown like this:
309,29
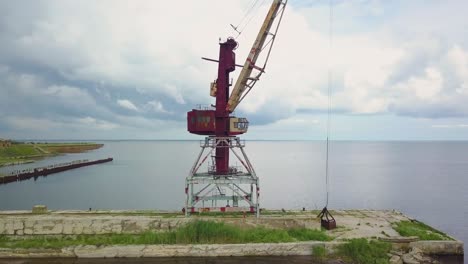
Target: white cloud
156,106
88,54
43,124
34,124
427,87
458,57
463,90
98,124
68,94
127,104
145,45
149,45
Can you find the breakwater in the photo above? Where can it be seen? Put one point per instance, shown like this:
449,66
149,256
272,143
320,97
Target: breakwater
27,174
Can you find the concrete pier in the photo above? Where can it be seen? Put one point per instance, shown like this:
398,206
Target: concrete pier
370,224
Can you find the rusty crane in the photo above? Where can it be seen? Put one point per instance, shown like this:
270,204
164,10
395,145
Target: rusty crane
222,187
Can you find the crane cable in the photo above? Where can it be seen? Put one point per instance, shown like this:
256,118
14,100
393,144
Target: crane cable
246,13
330,71
250,11
326,218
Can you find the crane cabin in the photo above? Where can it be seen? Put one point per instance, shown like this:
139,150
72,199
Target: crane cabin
203,122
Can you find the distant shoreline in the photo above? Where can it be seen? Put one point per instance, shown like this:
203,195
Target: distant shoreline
30,151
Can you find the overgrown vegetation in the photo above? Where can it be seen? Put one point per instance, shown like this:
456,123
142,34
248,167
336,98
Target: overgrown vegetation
22,152
365,252
421,230
68,147
196,232
303,234
16,150
319,252
17,153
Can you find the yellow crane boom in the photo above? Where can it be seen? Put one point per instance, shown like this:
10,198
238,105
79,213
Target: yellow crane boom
251,73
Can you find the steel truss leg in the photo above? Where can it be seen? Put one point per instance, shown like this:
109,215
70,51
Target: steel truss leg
210,186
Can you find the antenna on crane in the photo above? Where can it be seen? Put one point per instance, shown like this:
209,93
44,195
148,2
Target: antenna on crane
235,29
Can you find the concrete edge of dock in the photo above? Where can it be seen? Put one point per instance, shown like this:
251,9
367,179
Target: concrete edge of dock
213,250
369,224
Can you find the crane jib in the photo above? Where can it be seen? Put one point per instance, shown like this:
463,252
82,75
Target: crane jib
247,78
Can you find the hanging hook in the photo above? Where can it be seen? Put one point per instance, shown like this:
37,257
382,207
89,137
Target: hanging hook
327,220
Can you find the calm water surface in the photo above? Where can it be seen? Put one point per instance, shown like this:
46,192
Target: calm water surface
425,180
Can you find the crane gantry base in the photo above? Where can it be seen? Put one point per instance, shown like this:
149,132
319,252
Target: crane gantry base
235,191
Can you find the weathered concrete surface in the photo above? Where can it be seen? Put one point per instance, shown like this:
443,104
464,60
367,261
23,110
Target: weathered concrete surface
39,209
151,251
21,224
351,224
36,253
439,247
131,251
414,255
366,223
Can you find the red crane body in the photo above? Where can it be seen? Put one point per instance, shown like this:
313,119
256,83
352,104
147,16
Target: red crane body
216,122
226,65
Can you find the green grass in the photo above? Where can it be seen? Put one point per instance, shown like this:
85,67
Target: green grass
365,252
303,234
421,230
18,150
22,152
319,252
64,144
196,232
69,144
18,153
16,160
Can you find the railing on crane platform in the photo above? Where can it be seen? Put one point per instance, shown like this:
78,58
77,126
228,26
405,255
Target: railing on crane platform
231,142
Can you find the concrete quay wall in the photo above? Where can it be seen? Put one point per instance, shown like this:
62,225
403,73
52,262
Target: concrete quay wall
353,223
89,224
151,251
212,250
439,247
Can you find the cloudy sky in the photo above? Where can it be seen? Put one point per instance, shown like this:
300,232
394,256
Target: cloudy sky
132,69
